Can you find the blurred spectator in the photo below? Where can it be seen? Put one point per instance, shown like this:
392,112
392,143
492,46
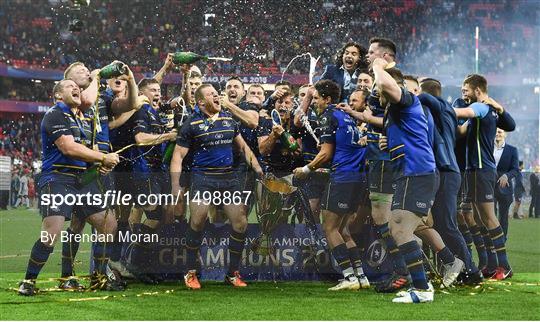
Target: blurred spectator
434,36
20,138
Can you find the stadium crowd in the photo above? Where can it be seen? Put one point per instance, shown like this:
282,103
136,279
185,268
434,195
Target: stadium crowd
142,33
20,138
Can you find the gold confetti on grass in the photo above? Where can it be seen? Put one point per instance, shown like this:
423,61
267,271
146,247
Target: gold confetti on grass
97,298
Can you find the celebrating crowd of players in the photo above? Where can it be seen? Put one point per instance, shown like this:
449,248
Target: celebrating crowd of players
395,151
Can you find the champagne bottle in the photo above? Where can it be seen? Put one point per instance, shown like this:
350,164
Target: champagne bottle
167,155
89,175
187,57
113,70
288,141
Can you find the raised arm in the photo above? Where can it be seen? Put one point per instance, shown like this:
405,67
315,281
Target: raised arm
124,104
388,86
165,69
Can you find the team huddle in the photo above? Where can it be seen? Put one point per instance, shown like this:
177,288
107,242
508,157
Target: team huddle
363,142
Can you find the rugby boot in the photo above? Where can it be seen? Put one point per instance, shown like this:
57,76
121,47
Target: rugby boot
393,283
487,273
71,284
451,272
27,288
121,269
235,280
502,273
191,280
105,283
413,295
348,283
363,280
469,279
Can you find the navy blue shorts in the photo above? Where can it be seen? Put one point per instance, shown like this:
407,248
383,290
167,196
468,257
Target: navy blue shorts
381,176
481,185
314,186
155,183
344,197
108,181
124,182
185,179
202,182
153,191
416,193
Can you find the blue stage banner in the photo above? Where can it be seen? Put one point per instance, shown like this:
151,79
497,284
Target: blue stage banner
299,253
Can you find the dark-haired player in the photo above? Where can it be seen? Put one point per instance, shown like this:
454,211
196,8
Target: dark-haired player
150,174
381,171
306,122
348,65
280,88
416,179
444,209
247,115
339,144
276,158
481,168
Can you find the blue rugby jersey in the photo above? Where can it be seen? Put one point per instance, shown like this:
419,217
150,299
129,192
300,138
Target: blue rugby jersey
481,137
461,142
60,120
338,128
210,142
280,158
104,110
249,135
374,132
148,159
410,137
446,123
309,145
120,137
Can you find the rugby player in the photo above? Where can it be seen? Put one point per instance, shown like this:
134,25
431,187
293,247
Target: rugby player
444,209
339,145
66,135
356,108
314,183
481,166
211,133
365,81
416,178
381,172
275,157
98,112
150,174
451,265
280,88
247,116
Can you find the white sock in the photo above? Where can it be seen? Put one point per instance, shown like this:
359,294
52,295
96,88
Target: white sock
348,271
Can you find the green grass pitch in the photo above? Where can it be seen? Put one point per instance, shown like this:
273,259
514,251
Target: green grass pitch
516,299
